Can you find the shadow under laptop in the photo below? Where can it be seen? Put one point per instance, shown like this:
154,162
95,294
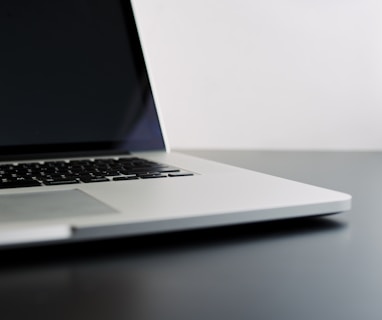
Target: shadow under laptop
159,276
174,242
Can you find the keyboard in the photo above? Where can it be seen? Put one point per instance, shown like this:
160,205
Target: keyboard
53,173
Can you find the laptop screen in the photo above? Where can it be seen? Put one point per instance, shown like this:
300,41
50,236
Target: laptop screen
73,79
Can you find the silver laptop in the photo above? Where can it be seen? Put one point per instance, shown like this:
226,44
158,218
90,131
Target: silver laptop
82,151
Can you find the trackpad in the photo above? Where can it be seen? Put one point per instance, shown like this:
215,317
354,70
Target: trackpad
51,204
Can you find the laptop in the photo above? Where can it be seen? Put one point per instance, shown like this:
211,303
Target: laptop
83,154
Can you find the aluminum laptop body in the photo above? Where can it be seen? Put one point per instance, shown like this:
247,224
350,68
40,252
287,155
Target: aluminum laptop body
75,96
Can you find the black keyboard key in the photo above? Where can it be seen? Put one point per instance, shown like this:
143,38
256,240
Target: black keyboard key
90,179
61,181
124,178
152,176
19,184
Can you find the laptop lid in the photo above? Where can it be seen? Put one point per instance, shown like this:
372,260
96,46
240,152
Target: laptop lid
73,80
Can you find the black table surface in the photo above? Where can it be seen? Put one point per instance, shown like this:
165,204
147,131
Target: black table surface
313,268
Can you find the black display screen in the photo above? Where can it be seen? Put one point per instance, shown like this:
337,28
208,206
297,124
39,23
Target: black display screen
72,78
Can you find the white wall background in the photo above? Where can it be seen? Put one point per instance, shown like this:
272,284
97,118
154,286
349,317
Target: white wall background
290,74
